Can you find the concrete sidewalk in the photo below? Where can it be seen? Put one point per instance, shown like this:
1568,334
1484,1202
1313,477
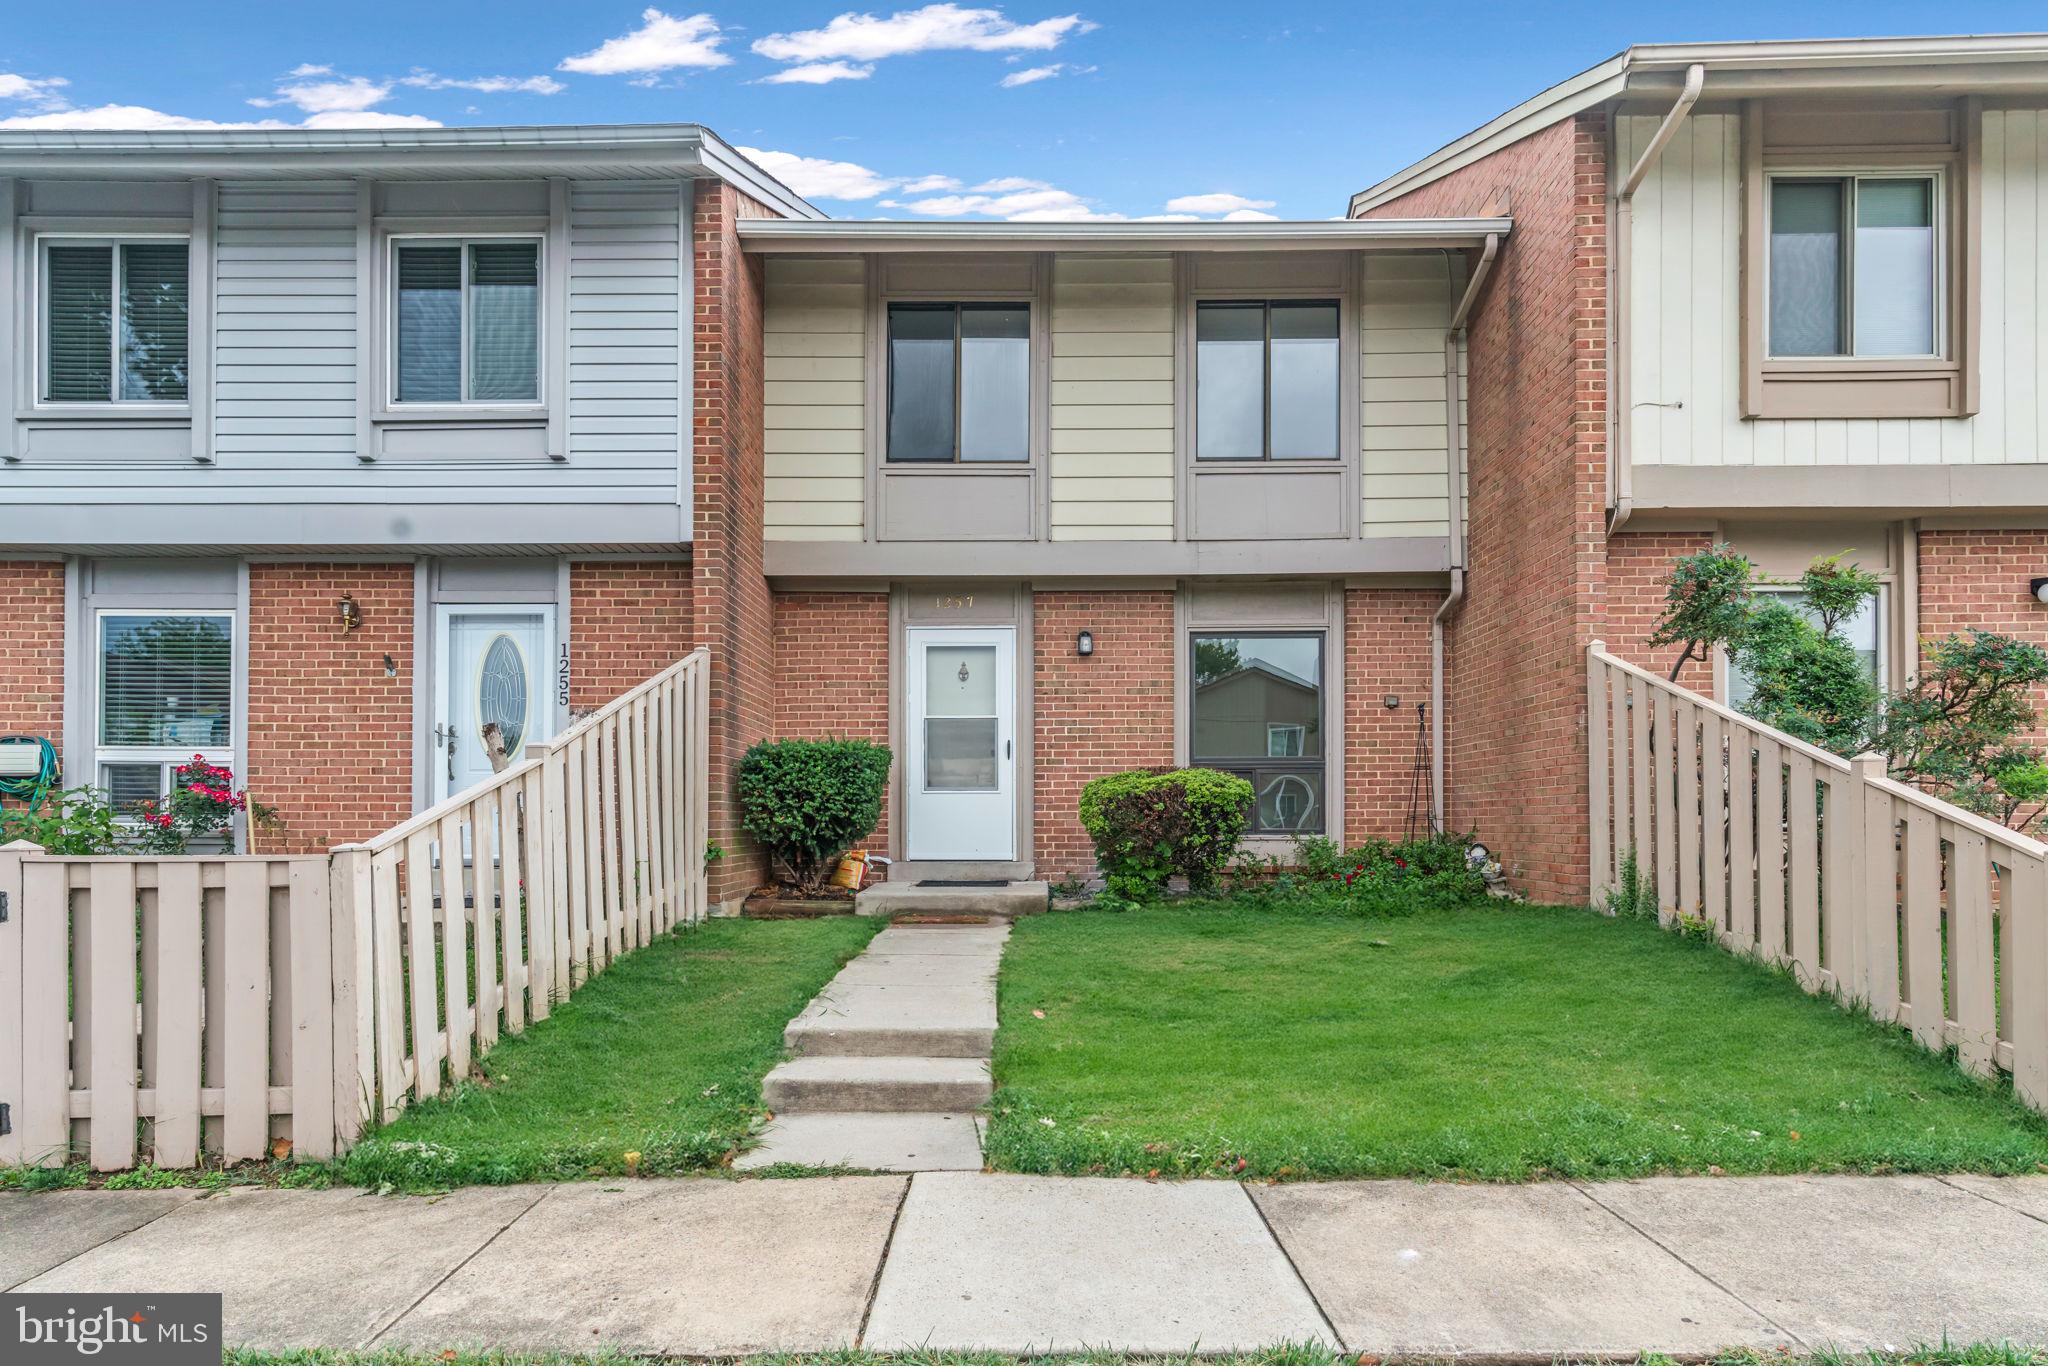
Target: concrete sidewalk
714,1266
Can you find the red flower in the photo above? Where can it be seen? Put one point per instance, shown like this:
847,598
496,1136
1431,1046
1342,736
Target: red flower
1400,862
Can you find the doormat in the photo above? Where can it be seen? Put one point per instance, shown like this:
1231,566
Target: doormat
964,882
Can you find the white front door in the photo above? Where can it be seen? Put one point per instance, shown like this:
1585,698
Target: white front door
960,765
493,666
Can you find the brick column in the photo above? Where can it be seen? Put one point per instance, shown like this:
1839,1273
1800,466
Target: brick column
32,645
733,611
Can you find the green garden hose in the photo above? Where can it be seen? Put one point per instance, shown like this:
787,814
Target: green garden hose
34,788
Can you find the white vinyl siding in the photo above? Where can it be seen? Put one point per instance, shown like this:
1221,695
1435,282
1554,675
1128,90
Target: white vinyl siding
1685,314
285,344
814,412
1112,399
1408,301
626,276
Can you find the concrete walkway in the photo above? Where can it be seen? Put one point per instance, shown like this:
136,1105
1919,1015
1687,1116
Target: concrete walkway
891,1059
710,1266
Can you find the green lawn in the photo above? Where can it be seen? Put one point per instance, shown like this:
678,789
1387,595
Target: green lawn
1496,1042
661,1055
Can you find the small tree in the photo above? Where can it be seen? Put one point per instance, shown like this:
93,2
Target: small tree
1708,603
1806,679
1959,731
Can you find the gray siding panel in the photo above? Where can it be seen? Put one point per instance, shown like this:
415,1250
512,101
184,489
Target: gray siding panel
624,299
285,320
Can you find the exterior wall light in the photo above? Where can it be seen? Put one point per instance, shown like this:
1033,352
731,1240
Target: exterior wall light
2039,588
351,615
1084,644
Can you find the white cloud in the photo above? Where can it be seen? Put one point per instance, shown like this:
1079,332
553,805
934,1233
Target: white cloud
125,116
934,28
1030,74
1214,203
926,184
818,176
42,92
1250,216
1017,199
1008,183
818,73
486,85
343,94
661,43
369,118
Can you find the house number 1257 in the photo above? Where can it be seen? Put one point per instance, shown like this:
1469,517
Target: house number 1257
943,602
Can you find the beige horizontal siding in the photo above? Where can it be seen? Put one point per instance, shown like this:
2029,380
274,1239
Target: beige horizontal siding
1112,464
1406,306
814,415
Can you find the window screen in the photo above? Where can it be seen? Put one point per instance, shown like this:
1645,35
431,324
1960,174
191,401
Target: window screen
1854,266
467,322
959,383
166,681
116,322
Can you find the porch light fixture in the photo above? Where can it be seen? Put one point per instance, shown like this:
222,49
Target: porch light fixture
351,615
1084,644
2039,588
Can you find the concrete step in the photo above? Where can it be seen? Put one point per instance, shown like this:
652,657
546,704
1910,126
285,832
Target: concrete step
823,1038
907,898
913,1142
890,1084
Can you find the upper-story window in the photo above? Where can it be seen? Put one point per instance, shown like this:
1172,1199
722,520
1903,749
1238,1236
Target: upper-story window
466,321
1266,380
1855,266
959,382
116,324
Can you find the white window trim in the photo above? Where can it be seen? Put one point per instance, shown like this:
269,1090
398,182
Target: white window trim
37,329
167,756
394,406
1275,729
1940,214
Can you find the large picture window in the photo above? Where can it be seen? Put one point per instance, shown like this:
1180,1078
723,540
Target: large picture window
1266,380
466,322
1258,713
959,383
166,693
116,324
1855,266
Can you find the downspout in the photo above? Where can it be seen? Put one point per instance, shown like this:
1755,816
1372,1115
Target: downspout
1453,333
1619,470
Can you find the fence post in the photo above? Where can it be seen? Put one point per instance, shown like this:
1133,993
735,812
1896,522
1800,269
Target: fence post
355,1033
1875,918
2026,954
13,904
1599,776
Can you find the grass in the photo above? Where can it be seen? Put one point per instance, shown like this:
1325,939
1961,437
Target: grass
660,1057
1493,1042
1974,1354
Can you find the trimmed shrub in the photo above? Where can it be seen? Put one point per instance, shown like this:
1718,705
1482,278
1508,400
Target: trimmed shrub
809,801
1149,825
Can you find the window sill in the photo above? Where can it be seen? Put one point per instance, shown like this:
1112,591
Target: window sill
166,414
1857,389
532,414
984,467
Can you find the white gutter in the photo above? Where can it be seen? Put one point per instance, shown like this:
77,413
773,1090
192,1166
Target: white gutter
1453,333
1343,234
1620,474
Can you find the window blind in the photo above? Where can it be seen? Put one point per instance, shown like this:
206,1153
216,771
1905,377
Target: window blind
430,324
166,681
504,315
78,311
155,327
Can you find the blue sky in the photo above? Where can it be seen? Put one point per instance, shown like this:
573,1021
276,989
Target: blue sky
1065,109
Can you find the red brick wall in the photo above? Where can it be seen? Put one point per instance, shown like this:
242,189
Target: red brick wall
1977,580
832,672
32,644
733,610
1386,652
1538,468
628,620
1108,712
330,733
1638,571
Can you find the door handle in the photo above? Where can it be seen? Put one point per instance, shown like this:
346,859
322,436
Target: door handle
451,754
1006,749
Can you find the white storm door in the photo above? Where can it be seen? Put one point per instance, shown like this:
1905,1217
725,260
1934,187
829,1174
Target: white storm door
960,769
492,666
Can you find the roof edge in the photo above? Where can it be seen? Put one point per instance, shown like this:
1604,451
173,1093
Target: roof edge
789,235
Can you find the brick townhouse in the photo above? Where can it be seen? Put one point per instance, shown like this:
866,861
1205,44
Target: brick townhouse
1335,505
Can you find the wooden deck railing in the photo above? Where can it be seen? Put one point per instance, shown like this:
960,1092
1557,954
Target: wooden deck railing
1864,887
174,1007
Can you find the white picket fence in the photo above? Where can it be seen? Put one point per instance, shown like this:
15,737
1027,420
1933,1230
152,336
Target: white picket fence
241,1007
1864,887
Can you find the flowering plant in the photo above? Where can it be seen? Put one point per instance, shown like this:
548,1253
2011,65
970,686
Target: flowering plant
202,805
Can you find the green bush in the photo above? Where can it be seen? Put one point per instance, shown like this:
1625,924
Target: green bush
809,801
1148,826
73,820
